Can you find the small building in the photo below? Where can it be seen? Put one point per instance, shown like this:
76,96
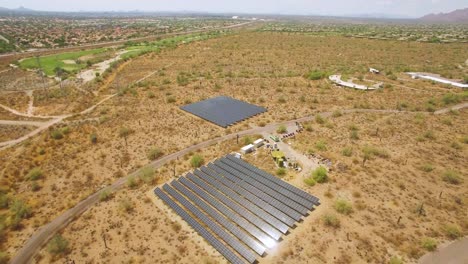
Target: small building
275,138
372,70
259,142
247,149
238,155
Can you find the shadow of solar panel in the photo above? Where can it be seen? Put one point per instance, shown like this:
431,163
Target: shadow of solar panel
225,251
272,178
223,111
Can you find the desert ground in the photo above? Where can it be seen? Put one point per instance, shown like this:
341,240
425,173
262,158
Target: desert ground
395,165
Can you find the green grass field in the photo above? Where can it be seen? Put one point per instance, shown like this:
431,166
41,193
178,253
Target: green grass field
49,63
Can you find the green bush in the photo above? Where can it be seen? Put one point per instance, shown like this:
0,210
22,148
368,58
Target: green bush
310,181
395,260
20,209
354,135
155,153
319,119
337,113
56,134
147,174
429,244
58,245
171,99
247,140
132,182
427,167
452,231
347,152
93,138
331,220
105,195
281,172
4,257
126,205
429,135
343,207
316,75
282,129
197,161
321,145
35,174
452,177
320,175
451,98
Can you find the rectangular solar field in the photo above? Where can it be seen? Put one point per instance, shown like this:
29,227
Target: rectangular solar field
239,209
223,111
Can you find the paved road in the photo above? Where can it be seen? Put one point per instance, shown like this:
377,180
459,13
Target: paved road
44,233
453,253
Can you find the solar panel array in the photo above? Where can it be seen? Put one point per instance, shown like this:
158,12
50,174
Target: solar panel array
238,208
223,111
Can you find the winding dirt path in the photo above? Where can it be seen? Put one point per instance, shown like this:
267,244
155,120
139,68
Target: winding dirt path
44,233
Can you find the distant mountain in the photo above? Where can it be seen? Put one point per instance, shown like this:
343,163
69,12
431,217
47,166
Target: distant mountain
4,9
457,16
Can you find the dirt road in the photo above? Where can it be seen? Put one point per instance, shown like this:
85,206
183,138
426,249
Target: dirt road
453,253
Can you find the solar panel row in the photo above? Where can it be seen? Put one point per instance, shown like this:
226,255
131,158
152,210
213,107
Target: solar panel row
225,251
237,203
274,179
269,195
251,197
237,218
252,243
234,243
223,111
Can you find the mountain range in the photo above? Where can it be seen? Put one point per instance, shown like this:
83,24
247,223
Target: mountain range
457,16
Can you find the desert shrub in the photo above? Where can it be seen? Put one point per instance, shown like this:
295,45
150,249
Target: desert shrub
93,138
4,200
451,99
452,177
151,95
155,153
337,113
171,99
427,167
58,245
343,206
282,129
429,135
105,195
464,139
456,145
247,140
331,220
316,75
310,181
35,187
131,182
281,172
197,161
56,134
65,130
320,174
319,119
147,175
354,135
452,231
281,100
34,174
126,205
347,152
321,145
20,209
369,152
125,132
429,244
395,260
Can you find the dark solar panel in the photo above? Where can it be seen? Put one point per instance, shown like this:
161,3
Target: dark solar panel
259,249
249,196
280,193
272,178
244,202
233,215
239,209
230,240
223,111
225,251
292,215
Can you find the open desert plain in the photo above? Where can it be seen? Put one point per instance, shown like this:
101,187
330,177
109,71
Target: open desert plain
359,149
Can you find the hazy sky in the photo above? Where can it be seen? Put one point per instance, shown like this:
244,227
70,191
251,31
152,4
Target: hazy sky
413,8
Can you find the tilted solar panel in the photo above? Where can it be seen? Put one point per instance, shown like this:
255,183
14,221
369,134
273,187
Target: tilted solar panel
229,239
225,251
272,178
257,247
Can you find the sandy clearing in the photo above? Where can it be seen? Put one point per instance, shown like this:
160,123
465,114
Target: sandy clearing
101,67
452,253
